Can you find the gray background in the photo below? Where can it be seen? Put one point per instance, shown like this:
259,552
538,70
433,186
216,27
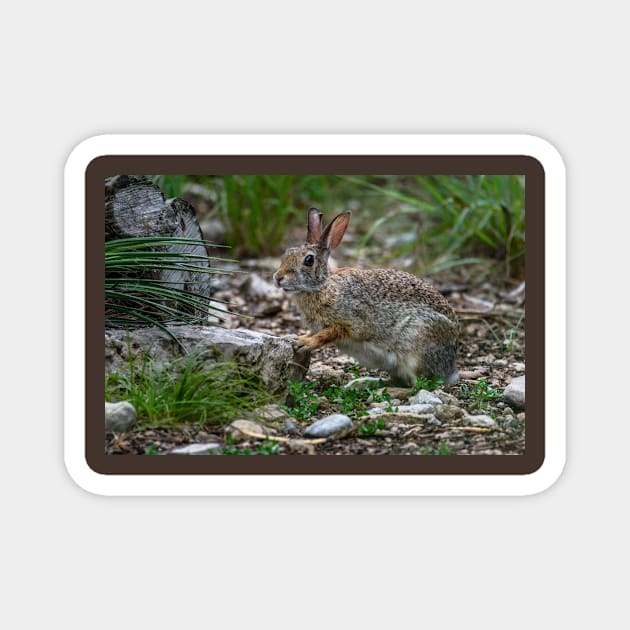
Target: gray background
73,70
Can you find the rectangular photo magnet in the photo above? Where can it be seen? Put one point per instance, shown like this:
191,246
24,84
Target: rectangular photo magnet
314,314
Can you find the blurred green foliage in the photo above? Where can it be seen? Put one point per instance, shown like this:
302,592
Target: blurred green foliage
440,221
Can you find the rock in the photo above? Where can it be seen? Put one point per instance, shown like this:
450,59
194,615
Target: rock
336,425
422,409
268,309
472,375
258,288
266,264
378,405
276,361
424,397
300,447
403,418
213,230
326,376
119,416
480,421
290,426
446,398
362,381
272,413
514,393
510,422
240,429
448,413
199,190
400,393
217,314
196,449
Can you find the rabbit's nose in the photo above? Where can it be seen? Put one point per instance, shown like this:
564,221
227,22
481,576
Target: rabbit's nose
278,278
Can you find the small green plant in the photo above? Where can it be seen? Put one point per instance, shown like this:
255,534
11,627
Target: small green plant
441,449
195,388
354,401
235,450
513,333
267,447
481,393
304,401
371,428
152,449
352,369
429,384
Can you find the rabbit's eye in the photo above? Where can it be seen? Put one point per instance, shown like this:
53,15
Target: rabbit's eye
309,260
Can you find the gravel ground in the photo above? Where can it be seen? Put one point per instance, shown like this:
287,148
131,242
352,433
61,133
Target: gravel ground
491,354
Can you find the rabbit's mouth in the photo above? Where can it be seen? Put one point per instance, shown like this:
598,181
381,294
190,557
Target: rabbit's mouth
282,282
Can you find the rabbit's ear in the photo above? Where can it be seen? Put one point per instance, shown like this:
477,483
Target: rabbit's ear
332,235
314,226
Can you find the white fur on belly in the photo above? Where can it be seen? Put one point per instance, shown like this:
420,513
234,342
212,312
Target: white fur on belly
368,354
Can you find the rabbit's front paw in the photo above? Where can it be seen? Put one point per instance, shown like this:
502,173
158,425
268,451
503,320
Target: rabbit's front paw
307,341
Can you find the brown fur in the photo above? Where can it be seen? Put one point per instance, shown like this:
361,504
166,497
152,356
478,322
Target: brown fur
386,318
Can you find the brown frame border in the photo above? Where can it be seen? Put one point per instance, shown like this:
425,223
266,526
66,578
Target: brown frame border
528,463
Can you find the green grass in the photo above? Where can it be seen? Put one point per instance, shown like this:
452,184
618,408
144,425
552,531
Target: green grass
368,429
170,185
456,220
513,332
266,447
353,369
441,449
136,293
355,401
303,400
257,210
192,389
480,394
426,383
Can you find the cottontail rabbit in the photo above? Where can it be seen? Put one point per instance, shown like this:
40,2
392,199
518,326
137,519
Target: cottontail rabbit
386,319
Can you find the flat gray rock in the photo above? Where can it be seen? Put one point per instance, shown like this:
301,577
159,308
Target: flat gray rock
448,413
514,393
480,421
272,413
240,429
425,397
196,449
276,361
257,287
119,416
400,393
336,425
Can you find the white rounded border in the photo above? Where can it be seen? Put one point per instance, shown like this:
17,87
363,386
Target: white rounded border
314,144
